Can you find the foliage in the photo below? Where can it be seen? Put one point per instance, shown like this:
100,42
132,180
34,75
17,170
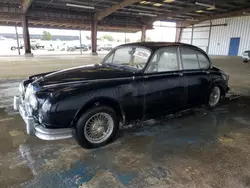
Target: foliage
108,37
127,40
46,36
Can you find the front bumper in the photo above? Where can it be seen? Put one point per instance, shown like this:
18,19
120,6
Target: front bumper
36,129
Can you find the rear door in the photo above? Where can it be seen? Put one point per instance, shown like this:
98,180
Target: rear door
196,69
164,83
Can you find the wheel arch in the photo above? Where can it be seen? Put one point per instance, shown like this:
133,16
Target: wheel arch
107,101
220,85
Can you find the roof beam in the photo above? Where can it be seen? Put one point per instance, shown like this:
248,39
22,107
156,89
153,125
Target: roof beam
221,15
25,5
174,14
110,10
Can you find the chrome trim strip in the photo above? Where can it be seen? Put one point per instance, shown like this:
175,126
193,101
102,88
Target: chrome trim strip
87,81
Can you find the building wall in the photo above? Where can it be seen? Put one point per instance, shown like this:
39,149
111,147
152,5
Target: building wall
220,35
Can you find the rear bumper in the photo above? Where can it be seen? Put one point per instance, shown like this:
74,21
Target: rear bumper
35,129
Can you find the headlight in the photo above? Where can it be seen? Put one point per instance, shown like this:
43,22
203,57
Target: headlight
33,101
21,88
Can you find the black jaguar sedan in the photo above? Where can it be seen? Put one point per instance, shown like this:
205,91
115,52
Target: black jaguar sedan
135,81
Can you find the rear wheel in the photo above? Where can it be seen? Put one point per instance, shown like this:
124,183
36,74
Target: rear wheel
96,127
214,97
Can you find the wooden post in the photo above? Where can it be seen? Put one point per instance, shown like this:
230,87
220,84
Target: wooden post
94,37
17,40
143,33
26,36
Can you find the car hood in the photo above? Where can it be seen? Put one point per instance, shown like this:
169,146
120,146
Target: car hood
81,74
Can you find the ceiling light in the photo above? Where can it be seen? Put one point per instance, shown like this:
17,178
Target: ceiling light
157,4
79,6
147,14
192,20
211,8
168,1
246,13
204,4
199,11
145,2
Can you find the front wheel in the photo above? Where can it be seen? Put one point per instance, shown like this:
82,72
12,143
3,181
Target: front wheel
96,127
214,97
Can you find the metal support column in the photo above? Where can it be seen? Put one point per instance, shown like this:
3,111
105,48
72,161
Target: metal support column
94,37
192,34
17,40
209,36
179,30
143,33
80,36
26,36
125,37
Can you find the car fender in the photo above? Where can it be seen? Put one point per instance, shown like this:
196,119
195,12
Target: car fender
97,101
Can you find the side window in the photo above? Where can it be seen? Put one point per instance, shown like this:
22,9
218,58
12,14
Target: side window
189,59
203,60
164,60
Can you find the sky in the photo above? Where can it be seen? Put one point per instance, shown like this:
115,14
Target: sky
163,31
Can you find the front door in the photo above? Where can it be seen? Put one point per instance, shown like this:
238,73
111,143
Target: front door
234,46
196,68
164,83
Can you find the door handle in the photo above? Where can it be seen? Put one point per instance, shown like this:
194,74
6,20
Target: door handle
207,72
180,74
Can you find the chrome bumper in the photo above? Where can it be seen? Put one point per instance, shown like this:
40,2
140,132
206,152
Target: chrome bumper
36,129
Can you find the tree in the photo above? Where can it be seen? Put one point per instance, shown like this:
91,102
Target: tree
148,39
46,36
108,37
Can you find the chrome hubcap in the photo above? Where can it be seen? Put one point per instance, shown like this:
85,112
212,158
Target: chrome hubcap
98,128
214,96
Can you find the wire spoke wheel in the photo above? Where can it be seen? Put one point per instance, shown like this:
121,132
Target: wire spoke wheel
214,96
98,128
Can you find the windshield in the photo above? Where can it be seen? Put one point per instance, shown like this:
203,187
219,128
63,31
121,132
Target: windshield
133,58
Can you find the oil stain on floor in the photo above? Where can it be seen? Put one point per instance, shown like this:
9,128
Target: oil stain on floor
195,148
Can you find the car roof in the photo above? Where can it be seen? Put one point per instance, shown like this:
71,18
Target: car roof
156,45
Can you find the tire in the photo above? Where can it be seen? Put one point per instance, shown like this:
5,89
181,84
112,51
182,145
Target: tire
214,97
81,133
13,48
245,61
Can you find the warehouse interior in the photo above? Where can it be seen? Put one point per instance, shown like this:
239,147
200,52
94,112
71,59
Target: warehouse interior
197,147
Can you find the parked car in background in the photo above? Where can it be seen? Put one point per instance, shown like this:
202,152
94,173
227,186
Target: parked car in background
246,56
74,47
13,48
107,47
84,47
133,82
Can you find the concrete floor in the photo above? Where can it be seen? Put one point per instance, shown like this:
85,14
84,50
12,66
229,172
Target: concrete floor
194,148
